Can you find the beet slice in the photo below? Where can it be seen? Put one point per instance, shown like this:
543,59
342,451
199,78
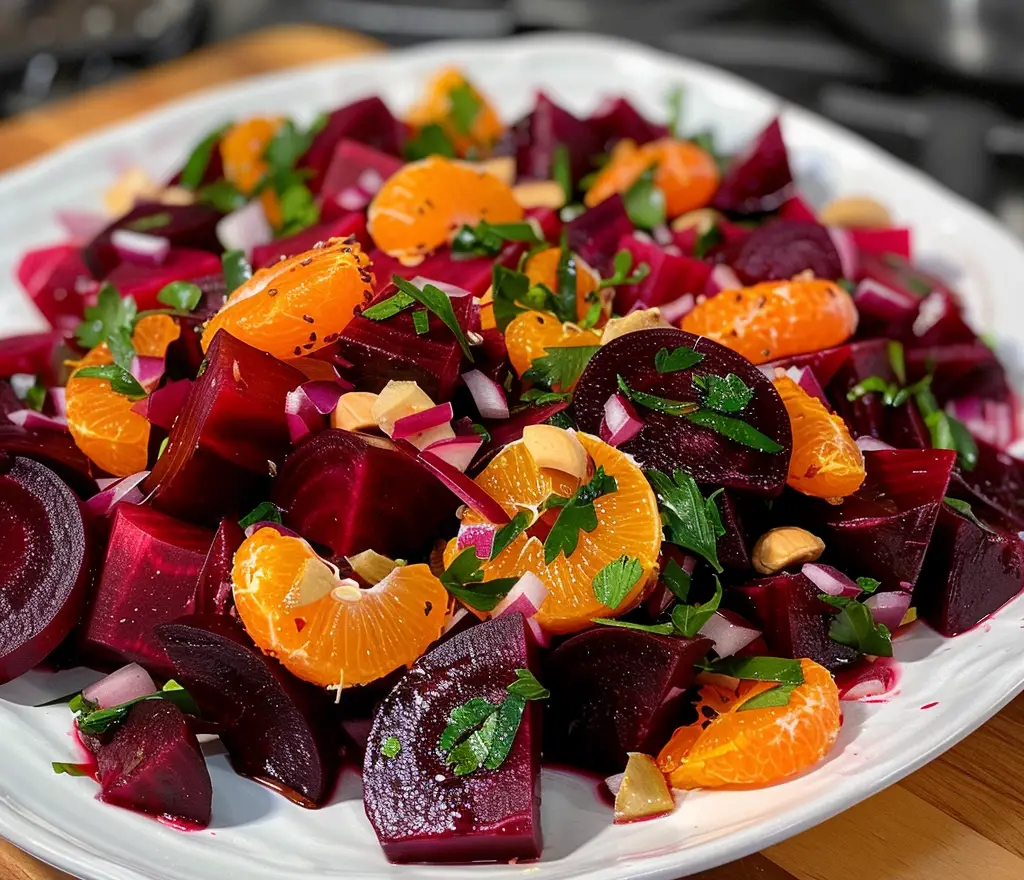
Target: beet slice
669,442
670,276
277,729
970,368
230,436
997,480
149,577
189,226
615,691
45,566
353,492
348,224
883,530
619,119
758,179
824,364
793,620
35,353
420,810
59,284
143,282
784,248
534,140
55,450
185,355
153,764
970,572
596,233
213,594
356,173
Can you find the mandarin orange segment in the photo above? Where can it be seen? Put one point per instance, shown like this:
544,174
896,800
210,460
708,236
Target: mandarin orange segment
542,268
530,334
422,205
628,524
241,150
100,420
328,631
826,462
757,746
299,304
776,319
451,101
686,174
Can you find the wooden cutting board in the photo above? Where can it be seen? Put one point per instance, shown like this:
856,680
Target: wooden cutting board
962,816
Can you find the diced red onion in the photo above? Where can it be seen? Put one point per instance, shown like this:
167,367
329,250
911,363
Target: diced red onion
729,632
526,596
270,524
124,490
128,683
421,421
444,286
82,226
893,240
722,277
889,609
674,311
58,400
148,370
882,302
488,395
245,229
458,451
324,395
662,234
301,414
463,487
993,421
830,580
614,783
161,408
849,260
140,247
867,443
479,536
868,684
620,422
29,418
805,378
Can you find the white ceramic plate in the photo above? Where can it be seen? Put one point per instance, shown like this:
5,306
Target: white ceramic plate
949,687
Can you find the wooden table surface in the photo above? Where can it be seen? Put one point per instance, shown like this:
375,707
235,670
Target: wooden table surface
962,816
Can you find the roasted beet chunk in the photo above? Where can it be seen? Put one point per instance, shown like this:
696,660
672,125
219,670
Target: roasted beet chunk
785,248
758,179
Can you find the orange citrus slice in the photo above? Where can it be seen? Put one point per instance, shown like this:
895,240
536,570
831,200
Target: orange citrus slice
756,746
463,113
326,630
628,524
825,463
542,268
299,304
776,319
100,420
241,150
423,204
686,174
530,334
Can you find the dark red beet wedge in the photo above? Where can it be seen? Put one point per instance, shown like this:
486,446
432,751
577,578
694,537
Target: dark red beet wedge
784,248
732,546
153,764
35,353
615,691
45,566
534,140
351,223
55,450
997,479
964,369
355,174
970,572
420,810
185,355
759,179
596,233
670,276
59,283
190,226
618,119
352,492
143,283
898,273
824,364
278,730
883,530
231,434
149,577
669,442
793,620
213,595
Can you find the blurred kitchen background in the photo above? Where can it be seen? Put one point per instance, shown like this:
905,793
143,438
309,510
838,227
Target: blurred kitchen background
940,83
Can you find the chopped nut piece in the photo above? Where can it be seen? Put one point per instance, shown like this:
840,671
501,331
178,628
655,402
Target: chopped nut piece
644,793
401,399
539,194
354,411
785,546
556,448
856,211
642,319
317,579
371,566
502,167
702,219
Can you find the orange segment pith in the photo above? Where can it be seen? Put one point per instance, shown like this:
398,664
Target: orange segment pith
542,268
343,637
100,420
628,524
241,150
826,462
686,174
776,319
530,334
437,107
424,204
299,304
757,746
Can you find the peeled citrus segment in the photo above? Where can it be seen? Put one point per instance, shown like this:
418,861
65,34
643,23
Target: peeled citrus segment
826,462
463,113
242,149
628,525
530,334
776,319
757,746
425,203
100,420
686,174
324,629
542,268
300,304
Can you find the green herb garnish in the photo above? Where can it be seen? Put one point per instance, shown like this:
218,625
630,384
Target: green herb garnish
735,429
854,627
112,318
622,264
487,239
431,140
236,269
199,159
464,579
72,769
392,747
681,358
389,307
690,520
677,579
561,170
527,686
265,511
868,585
658,404
150,222
421,321
560,366
674,100
706,240
509,532
183,295
725,395
688,619
788,673
222,195
658,629
436,301
465,107
121,381
964,509
645,202
92,720
577,514
615,581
